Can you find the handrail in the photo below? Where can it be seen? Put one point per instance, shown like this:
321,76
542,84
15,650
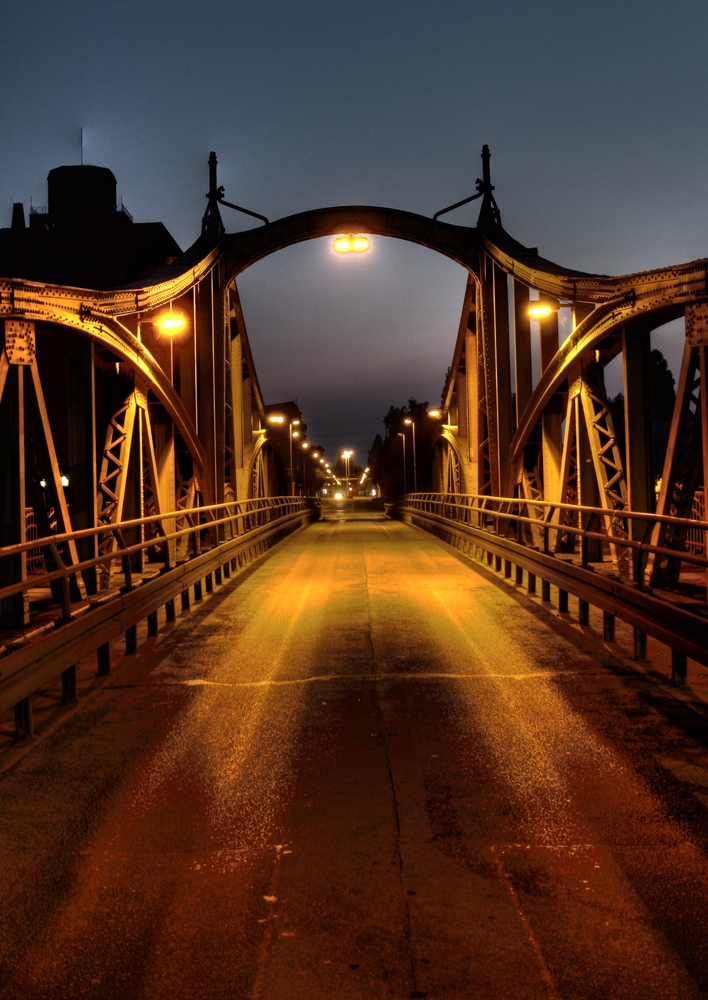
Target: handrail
475,523
450,498
272,507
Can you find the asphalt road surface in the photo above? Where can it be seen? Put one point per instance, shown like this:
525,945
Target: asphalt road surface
364,771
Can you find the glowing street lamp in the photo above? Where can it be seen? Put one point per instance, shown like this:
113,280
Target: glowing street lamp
351,243
435,414
171,324
542,310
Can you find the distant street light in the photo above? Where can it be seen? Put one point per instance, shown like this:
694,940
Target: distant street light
171,324
346,455
435,414
410,423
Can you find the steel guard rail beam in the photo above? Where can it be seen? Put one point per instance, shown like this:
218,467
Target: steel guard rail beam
677,628
39,662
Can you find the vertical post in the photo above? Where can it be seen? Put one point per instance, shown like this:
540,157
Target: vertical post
523,382
679,669
703,364
403,442
639,428
204,336
82,455
103,654
68,686
608,626
24,720
12,496
552,416
503,369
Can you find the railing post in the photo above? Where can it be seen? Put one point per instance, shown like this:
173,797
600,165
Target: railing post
68,685
608,626
64,582
563,601
170,610
531,583
583,612
640,644
679,669
152,623
24,720
103,654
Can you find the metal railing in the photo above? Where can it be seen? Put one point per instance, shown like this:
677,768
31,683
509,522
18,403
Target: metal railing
554,548
221,538
695,536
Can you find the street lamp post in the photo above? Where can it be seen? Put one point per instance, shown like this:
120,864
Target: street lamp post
346,455
409,422
402,436
293,423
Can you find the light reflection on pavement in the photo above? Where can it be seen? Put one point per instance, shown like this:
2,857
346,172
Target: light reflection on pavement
366,771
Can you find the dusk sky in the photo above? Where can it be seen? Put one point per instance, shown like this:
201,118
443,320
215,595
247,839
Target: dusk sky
595,113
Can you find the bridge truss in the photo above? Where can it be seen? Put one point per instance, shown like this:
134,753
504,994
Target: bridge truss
154,430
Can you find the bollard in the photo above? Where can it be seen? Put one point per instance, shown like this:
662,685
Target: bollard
679,669
497,564
68,685
563,602
545,590
217,575
185,600
531,584
227,569
103,654
608,626
640,644
209,583
152,623
170,611
198,590
583,612
519,575
507,569
131,640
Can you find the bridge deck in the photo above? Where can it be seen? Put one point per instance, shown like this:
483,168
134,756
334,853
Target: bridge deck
364,772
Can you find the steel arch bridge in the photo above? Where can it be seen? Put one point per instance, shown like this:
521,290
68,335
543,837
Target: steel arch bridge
186,423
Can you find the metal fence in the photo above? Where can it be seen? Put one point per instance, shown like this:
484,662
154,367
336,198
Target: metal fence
606,564
221,538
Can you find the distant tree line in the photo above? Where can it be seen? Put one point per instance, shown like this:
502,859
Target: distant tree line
386,453
663,396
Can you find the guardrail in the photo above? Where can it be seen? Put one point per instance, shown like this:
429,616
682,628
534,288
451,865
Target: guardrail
222,537
501,532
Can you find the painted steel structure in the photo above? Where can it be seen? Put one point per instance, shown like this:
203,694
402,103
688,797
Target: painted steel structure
157,426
